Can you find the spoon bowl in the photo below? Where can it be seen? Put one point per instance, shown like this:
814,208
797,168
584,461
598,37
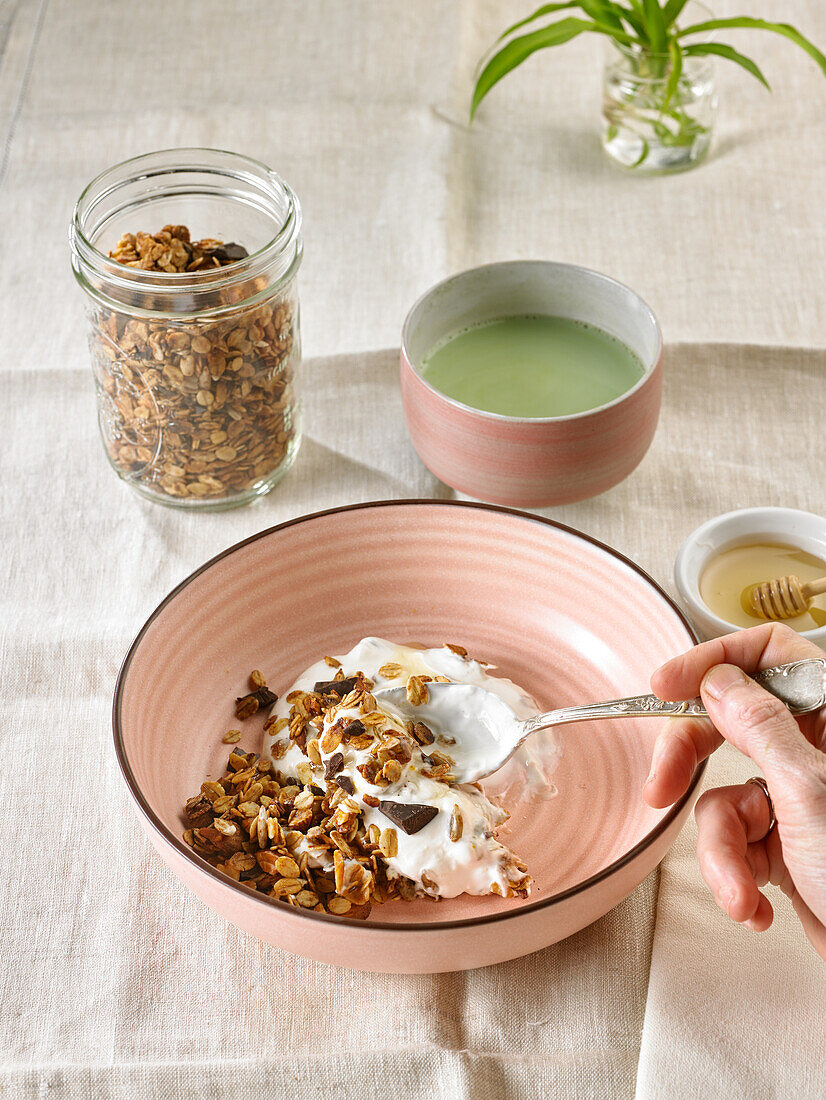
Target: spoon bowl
488,730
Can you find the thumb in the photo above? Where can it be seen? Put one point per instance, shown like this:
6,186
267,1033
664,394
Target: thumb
757,723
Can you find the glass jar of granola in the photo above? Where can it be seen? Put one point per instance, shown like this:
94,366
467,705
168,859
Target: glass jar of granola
189,260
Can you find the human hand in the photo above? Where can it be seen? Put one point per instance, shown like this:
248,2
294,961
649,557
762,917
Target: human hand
738,853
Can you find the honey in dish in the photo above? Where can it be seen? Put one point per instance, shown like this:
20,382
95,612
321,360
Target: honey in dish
729,576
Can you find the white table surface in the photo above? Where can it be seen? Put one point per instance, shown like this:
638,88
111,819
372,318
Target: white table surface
114,981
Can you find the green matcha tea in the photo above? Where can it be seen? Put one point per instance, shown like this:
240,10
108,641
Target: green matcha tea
532,366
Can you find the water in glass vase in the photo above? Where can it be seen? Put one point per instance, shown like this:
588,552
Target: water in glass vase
646,126
532,366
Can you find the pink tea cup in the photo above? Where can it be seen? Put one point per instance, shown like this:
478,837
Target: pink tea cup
521,462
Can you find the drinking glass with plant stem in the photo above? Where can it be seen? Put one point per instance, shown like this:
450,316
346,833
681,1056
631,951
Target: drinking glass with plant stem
659,98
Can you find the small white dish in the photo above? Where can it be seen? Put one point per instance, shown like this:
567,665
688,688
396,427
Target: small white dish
781,525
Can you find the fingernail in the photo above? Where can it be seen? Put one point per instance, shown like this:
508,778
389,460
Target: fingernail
721,678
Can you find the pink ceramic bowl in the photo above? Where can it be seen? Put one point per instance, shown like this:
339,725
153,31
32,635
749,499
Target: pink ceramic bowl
530,463
559,613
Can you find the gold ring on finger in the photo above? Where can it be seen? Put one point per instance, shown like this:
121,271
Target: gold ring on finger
760,782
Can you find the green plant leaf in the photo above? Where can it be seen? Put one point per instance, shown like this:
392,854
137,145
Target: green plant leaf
672,11
675,54
546,9
655,23
784,29
518,49
617,33
634,21
642,156
602,12
702,49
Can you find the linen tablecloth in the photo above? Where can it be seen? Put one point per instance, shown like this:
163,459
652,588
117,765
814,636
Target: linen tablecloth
114,980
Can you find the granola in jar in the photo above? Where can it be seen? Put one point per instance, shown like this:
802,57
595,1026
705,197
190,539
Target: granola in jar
195,348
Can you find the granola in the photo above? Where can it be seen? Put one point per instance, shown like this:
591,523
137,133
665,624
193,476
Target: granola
196,409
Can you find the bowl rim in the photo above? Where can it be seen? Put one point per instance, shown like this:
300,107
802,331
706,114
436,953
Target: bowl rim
181,848
687,580
502,417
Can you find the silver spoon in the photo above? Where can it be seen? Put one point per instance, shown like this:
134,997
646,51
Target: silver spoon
487,732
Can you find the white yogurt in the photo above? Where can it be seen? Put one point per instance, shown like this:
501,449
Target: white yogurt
474,862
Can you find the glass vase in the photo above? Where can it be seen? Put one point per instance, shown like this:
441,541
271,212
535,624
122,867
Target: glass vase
646,129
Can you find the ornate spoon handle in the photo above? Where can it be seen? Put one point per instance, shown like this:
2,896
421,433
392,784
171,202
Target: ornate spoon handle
800,685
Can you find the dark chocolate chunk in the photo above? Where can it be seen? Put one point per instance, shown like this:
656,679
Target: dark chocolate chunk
333,765
409,816
346,783
251,703
336,687
230,253
265,697
354,728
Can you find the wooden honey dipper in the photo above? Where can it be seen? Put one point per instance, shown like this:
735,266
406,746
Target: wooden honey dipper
781,598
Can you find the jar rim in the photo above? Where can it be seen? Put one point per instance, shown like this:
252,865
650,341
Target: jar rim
166,162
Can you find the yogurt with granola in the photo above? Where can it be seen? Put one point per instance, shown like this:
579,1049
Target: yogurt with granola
393,793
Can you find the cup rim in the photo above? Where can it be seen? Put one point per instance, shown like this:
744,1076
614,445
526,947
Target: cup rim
687,581
502,417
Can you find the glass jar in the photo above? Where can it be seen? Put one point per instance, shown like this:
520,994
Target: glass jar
645,129
195,370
